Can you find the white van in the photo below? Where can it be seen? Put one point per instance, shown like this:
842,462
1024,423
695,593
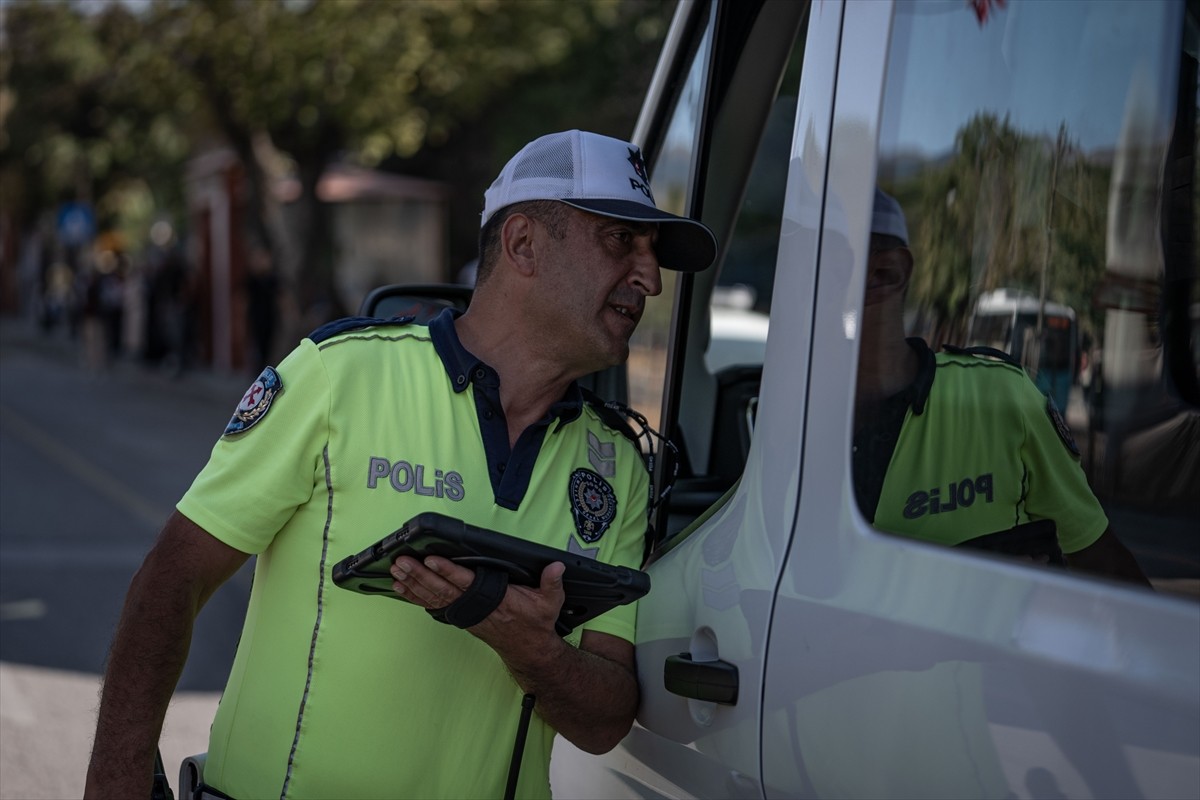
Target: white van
787,647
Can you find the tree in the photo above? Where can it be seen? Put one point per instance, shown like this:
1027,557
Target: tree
365,79
74,120
97,97
1004,210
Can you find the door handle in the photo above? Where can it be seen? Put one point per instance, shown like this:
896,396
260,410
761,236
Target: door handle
711,681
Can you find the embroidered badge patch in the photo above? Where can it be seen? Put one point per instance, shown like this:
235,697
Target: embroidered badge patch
1060,426
256,402
593,504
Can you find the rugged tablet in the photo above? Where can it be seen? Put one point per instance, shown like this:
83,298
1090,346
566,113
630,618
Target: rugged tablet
592,587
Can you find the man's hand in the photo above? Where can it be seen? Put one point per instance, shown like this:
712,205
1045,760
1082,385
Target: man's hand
438,582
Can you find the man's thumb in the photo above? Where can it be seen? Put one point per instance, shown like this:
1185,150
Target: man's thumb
552,577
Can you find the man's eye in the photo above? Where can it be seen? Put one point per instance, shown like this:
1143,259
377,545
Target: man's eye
623,236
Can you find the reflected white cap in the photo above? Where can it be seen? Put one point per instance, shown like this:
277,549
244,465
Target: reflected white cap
888,217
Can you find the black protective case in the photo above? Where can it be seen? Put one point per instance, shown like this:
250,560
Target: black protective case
592,587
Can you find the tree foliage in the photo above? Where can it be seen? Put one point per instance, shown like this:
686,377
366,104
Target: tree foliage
100,93
1004,210
73,121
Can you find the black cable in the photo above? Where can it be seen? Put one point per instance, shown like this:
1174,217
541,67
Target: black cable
161,788
647,432
514,766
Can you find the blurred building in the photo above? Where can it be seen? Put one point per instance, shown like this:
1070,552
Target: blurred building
386,228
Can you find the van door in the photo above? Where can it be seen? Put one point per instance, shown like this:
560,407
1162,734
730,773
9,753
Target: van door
1036,147
722,142
789,646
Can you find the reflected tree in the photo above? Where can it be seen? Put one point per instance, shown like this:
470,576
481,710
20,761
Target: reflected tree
1005,209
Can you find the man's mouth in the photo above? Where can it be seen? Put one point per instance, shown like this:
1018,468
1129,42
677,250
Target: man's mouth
632,313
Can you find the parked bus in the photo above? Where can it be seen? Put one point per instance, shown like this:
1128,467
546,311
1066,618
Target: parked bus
1043,337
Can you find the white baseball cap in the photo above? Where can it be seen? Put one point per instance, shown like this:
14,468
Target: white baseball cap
605,176
887,217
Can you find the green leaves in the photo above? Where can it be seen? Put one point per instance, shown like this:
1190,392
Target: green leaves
98,94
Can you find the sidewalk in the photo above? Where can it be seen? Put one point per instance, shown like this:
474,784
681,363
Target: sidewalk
48,717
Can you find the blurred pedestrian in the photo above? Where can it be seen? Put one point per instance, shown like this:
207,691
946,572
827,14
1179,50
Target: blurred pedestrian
262,304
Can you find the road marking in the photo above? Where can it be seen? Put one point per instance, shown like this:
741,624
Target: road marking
62,455
22,609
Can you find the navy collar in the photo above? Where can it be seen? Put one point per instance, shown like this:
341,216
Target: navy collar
464,368
460,364
917,392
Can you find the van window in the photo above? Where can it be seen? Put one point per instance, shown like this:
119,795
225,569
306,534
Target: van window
1038,162
671,181
721,320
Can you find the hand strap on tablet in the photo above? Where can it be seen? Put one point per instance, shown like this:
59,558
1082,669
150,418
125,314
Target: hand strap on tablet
479,599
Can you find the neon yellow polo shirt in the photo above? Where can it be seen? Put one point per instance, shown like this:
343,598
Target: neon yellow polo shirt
334,694
986,452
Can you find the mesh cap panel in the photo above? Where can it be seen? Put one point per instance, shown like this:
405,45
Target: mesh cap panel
555,162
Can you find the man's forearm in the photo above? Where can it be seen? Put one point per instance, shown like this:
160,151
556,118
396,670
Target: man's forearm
588,694
144,664
588,698
1108,557
180,573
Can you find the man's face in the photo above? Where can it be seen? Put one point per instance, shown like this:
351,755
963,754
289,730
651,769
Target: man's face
596,280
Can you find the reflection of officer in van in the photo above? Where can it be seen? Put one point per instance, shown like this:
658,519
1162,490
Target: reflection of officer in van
954,445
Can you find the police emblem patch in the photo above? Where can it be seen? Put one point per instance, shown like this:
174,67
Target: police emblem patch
593,504
1060,426
256,402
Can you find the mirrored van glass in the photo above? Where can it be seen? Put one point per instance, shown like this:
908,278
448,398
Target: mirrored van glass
1039,212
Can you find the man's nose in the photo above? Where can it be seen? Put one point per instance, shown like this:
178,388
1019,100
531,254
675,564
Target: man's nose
646,274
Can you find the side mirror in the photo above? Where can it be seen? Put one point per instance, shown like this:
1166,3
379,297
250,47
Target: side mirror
423,301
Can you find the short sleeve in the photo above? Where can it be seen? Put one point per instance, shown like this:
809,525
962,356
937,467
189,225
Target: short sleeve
1057,487
628,551
255,479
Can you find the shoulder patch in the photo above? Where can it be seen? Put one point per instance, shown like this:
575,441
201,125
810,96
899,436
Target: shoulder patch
256,402
1060,426
593,504
346,324
981,352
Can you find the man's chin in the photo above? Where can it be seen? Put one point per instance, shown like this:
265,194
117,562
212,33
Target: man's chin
615,358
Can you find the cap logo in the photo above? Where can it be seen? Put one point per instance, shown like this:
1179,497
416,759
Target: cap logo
639,168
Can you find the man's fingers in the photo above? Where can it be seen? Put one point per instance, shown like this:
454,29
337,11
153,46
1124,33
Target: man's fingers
436,583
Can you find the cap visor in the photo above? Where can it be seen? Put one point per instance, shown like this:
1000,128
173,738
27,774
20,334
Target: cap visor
684,245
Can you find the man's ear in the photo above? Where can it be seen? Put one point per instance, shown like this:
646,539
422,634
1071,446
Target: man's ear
516,242
895,270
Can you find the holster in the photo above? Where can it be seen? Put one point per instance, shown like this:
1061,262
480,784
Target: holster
191,780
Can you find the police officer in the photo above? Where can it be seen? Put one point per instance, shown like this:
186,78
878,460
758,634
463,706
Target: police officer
368,423
951,446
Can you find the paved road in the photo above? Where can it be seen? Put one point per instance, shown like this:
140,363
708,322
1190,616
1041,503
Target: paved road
90,466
